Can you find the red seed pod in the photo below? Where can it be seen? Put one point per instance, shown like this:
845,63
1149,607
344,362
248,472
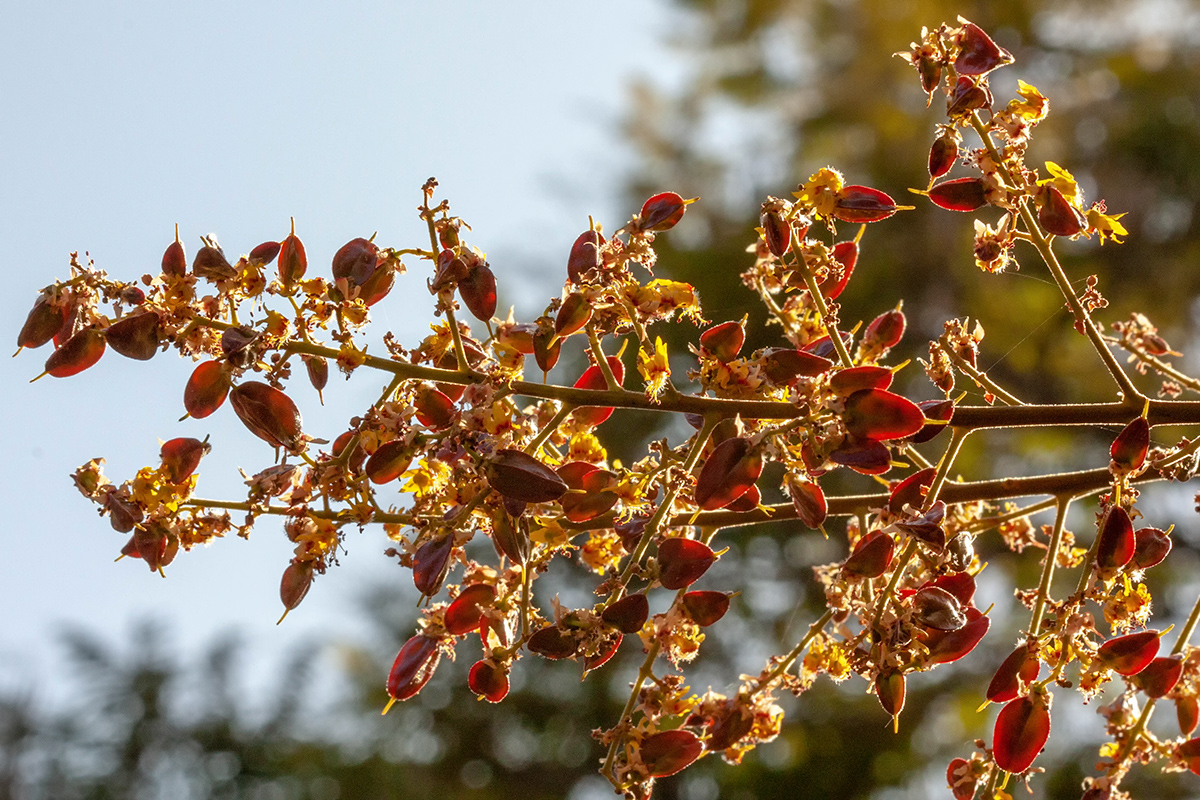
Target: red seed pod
294,585
871,557
488,680
122,515
959,584
628,614
318,372
210,263
933,409
431,562
1128,451
293,261
947,647
546,349
1022,728
1020,669
943,154
466,612
911,490
357,458
1059,217
573,473
961,780
478,292
511,540
732,468
1189,753
264,253
886,330
846,382
863,204
930,70
978,54
434,409
662,212
151,543
1117,541
355,261
608,649
44,321
1129,654
413,667
181,457
681,562
377,287
846,254
585,257
1150,547
890,689
236,345
727,724
588,505
747,502
937,609
880,415
77,354
135,336
1160,675
519,336
967,97
593,378
927,526
809,501
866,457
1187,712
706,607
389,461
269,414
174,260
961,194
519,476
206,389
724,341
575,312
777,232
783,365
553,642
667,752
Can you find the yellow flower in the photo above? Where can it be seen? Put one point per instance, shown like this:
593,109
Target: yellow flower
655,368
1033,105
1106,224
584,446
1063,181
350,358
820,193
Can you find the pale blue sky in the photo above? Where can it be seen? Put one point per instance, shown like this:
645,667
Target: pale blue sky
122,119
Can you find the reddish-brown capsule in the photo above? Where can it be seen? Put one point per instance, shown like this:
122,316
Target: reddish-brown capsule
911,490
434,409
961,194
264,253
723,342
943,154
584,260
546,348
466,612
628,614
967,97
318,372
783,365
478,292
1160,675
662,212
511,539
809,501
269,414
357,457
1129,654
1059,217
863,204
181,457
1150,547
886,330
881,415
604,653
77,354
978,54
934,410
389,461
961,780
293,261
865,456
1187,713
1189,753
732,468
846,254
520,476
355,261
706,607
667,752
135,336
945,647
871,557
846,382
151,541
1117,542
413,667
1020,669
206,389
890,689
488,680
593,378
123,515
553,642
174,260
959,584
1021,731
294,585
935,608
575,312
777,232
430,563
681,562
210,263
1128,451
44,321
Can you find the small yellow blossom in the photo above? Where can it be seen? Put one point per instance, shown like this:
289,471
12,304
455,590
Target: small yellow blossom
820,192
584,446
656,368
1065,182
1033,105
350,357
1106,225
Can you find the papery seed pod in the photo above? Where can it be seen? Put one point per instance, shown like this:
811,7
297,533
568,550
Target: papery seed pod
867,457
927,526
959,584
880,415
1020,669
377,287
871,557
1128,451
181,457
593,378
357,457
681,562
933,410
890,689
1021,731
587,505
1129,654
605,652
1117,542
824,348
269,414
135,336
934,607
389,461
518,336
885,331
628,614
465,613
413,667
210,263
478,292
293,260
546,349
520,476
846,254
1189,753
961,780
783,365
151,543
1059,217
1150,547
430,563
488,680
585,257
355,262
732,468
294,585
662,212
747,502
863,204
777,232
726,725
574,314
943,154
911,490
978,54
552,642
706,607
174,260
44,320
667,752
723,342
573,473
122,515
846,382
206,389
960,551
961,194
511,539
76,354
263,254
434,409
809,501
967,97
237,345
945,647
1187,713
1160,675
318,373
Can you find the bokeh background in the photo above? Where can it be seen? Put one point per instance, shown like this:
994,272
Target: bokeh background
123,120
